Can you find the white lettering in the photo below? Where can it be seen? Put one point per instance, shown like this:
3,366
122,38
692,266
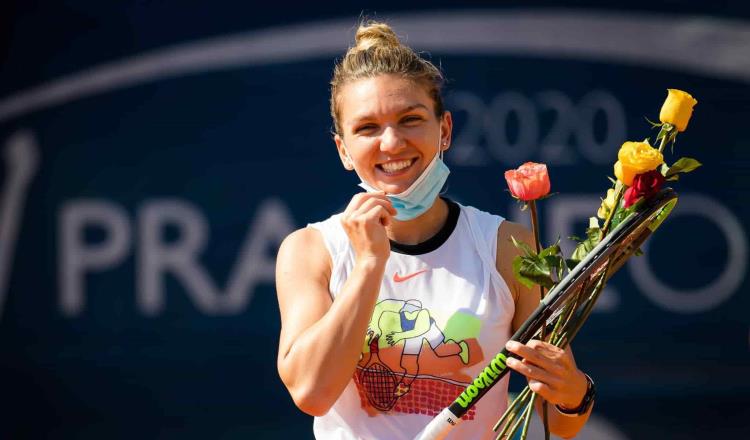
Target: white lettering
78,257
180,258
21,156
708,297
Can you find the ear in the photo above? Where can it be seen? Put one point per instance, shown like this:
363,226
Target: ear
343,155
446,130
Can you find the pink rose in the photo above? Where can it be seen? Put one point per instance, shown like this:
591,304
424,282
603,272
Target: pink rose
529,182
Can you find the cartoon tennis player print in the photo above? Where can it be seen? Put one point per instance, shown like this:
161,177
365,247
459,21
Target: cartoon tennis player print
416,325
402,336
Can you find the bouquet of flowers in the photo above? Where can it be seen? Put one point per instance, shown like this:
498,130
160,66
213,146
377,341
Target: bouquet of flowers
640,173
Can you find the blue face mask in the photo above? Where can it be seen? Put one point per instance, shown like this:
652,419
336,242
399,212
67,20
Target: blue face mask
421,195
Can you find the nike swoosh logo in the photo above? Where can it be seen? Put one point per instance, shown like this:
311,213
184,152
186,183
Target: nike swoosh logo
399,279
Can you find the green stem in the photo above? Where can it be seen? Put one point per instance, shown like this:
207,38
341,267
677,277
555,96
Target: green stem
512,416
527,418
665,138
512,408
537,242
611,214
575,326
524,415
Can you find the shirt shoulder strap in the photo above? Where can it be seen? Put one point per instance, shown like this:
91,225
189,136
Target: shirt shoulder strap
483,227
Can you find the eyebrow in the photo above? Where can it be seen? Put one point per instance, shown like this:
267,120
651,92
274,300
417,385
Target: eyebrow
406,109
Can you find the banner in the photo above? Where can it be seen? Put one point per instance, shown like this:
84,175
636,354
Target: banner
144,198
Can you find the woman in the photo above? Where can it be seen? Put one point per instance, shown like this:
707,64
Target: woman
390,308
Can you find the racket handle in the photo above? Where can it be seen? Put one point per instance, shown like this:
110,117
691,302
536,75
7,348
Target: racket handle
440,426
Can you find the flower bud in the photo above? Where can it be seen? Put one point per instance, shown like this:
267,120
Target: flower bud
677,109
608,204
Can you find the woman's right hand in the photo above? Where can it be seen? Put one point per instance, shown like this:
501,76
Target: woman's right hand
365,220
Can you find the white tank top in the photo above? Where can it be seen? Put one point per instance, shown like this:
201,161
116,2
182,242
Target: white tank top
442,314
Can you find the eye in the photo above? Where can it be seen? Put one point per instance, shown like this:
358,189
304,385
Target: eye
365,129
412,119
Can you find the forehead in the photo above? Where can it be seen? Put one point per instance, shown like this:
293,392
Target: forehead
381,95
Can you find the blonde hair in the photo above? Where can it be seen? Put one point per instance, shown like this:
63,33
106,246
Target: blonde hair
378,51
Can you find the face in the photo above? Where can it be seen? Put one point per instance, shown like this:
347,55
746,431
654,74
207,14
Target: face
389,131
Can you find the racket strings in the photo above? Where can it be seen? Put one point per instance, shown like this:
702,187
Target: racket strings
380,386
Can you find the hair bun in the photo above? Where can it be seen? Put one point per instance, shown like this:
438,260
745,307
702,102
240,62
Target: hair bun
375,34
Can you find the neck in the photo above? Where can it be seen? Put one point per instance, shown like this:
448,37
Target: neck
420,229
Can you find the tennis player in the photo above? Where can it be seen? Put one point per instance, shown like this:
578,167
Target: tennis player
402,247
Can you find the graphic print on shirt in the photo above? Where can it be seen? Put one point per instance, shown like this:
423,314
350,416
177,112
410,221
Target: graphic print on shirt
410,364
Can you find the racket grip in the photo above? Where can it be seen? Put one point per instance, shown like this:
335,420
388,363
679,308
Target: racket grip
440,426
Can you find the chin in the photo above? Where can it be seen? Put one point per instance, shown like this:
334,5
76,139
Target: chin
390,188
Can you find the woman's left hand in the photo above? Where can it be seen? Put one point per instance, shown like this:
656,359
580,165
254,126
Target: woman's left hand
551,372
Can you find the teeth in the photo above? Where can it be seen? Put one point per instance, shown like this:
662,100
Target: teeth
391,167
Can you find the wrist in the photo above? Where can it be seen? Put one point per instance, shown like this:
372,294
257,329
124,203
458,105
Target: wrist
580,387
583,405
370,264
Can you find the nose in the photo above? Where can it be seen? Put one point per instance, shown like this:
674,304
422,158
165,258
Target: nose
391,141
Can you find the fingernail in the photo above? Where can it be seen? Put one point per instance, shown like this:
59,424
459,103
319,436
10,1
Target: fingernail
512,345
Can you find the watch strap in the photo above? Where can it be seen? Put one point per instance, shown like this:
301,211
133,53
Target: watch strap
588,400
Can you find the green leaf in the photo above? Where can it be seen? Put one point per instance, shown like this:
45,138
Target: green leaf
522,246
532,270
584,247
519,276
552,250
593,234
663,169
580,251
553,261
653,124
571,263
556,265
683,165
638,252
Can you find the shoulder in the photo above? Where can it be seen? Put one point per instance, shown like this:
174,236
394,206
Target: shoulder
507,251
510,229
303,254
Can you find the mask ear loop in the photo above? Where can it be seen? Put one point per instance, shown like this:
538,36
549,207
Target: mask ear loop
441,144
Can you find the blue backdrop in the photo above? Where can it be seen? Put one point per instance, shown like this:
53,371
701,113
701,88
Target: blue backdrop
154,155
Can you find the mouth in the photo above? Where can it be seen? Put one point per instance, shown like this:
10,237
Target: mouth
396,167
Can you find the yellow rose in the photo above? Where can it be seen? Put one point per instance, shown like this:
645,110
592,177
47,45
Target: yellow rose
677,109
636,158
624,174
608,204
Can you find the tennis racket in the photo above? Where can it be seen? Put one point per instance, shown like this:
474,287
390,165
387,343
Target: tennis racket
378,381
598,266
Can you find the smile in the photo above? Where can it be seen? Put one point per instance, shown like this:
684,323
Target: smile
396,167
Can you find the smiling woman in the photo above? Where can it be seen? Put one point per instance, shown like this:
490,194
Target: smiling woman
390,308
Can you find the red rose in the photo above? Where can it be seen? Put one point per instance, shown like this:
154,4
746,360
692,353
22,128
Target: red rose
529,182
644,185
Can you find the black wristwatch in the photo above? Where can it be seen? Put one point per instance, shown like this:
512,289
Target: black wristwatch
588,400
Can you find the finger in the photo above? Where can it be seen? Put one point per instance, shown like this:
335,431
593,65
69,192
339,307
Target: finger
542,389
533,372
368,204
356,201
537,353
378,214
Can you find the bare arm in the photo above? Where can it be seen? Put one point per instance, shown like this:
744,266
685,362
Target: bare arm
551,371
321,339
